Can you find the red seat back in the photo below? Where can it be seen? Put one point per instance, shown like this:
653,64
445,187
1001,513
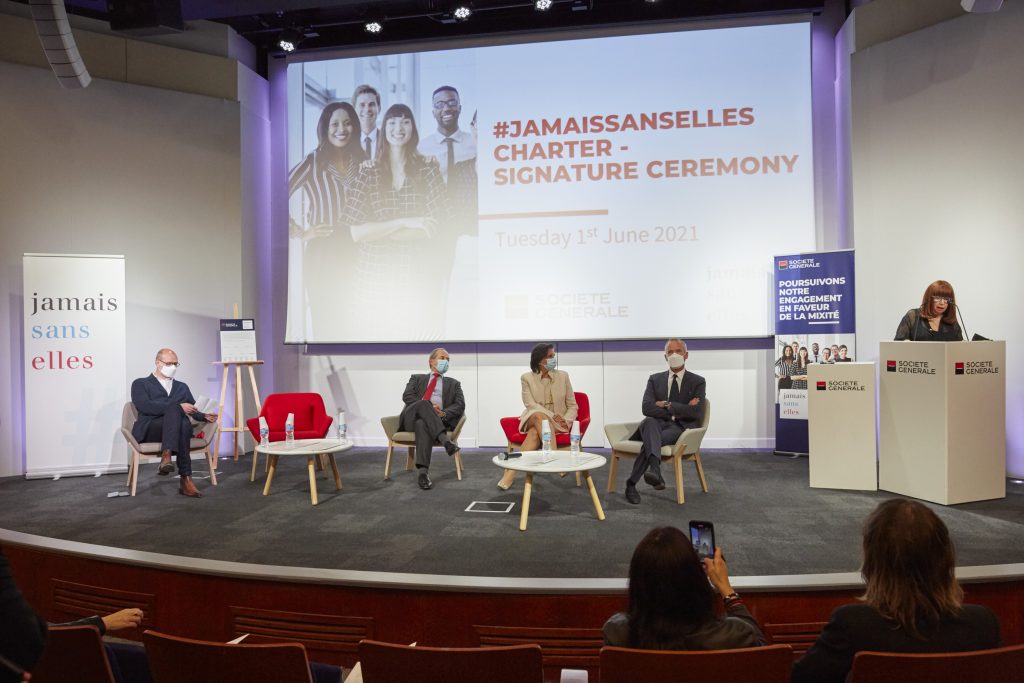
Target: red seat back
183,660
73,653
981,666
771,664
390,663
311,419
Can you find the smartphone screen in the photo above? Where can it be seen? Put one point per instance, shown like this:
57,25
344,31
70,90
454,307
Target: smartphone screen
702,536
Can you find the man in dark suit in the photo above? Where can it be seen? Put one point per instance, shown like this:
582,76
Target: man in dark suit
433,406
165,406
673,402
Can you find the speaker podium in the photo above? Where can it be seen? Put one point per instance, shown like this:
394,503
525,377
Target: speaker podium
942,414
841,426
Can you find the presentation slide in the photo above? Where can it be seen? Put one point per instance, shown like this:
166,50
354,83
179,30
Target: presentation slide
608,188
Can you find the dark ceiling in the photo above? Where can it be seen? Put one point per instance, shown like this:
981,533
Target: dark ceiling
332,23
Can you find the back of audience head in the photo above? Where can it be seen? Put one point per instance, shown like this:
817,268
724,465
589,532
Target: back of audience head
668,589
909,563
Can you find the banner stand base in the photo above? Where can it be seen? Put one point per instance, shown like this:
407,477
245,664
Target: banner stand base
790,454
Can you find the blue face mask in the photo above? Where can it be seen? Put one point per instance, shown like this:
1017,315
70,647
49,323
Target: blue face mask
442,365
552,363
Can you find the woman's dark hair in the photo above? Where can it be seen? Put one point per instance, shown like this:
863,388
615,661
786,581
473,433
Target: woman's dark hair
787,352
412,158
539,353
669,593
801,357
944,289
909,564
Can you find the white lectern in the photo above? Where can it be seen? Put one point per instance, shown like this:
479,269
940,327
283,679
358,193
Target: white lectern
942,412
841,426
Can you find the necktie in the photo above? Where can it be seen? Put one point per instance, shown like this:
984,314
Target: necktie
451,158
368,147
673,394
430,387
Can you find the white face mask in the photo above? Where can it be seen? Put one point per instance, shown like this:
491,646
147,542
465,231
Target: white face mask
676,360
168,370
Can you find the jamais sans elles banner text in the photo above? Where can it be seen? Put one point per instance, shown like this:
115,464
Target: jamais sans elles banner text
618,187
74,364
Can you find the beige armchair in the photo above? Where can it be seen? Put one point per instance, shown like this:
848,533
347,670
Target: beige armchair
408,439
686,447
129,415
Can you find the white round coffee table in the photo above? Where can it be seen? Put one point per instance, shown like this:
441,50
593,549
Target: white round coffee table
312,449
556,462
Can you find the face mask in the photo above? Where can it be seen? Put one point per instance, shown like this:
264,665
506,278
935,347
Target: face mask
442,366
168,370
552,363
676,361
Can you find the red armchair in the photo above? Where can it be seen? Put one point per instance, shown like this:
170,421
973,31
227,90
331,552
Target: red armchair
311,419
510,425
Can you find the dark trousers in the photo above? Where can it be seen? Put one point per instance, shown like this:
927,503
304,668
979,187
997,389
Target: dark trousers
428,426
174,432
654,433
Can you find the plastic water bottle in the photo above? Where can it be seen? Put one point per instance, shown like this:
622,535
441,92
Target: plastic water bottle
545,436
264,432
342,426
289,429
574,442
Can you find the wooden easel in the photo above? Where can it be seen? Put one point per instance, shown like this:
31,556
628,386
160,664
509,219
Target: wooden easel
239,415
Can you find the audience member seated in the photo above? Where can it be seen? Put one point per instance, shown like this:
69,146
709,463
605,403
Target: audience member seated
912,602
672,602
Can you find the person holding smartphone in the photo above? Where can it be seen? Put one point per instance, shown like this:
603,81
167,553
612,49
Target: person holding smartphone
672,595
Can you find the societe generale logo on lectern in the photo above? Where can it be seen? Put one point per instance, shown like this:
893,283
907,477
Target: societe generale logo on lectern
958,368
890,366
821,386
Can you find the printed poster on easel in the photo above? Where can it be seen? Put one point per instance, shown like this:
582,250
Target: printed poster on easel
237,340
74,364
815,322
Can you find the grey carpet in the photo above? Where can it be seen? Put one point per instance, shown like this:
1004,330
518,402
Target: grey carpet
766,518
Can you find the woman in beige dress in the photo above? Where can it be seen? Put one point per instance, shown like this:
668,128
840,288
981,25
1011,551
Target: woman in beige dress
547,395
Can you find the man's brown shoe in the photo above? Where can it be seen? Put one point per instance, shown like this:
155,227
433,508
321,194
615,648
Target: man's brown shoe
187,488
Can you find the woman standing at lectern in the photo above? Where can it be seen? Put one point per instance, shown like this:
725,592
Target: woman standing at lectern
935,320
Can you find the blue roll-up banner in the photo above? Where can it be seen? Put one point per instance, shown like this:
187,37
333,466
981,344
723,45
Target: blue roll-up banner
815,322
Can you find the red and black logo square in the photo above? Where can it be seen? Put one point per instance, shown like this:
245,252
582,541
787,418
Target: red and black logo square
783,265
821,386
958,368
890,366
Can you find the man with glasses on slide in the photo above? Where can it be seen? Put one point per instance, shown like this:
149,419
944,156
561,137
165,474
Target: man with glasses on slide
165,406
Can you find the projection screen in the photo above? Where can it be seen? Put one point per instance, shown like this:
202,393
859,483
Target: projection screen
603,188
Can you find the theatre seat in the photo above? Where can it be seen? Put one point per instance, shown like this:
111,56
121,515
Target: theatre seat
981,666
686,447
73,653
408,439
202,437
389,663
311,419
510,425
183,660
770,664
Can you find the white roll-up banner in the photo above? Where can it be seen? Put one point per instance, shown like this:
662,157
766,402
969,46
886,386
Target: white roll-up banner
74,364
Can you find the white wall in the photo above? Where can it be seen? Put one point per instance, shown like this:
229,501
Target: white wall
937,141
121,169
370,386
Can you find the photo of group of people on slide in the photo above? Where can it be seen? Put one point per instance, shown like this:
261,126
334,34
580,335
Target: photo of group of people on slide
794,357
380,201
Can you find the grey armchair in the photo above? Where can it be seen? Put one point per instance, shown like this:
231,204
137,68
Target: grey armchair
129,415
408,439
686,447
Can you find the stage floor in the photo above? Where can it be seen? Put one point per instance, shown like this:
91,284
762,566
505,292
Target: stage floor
766,518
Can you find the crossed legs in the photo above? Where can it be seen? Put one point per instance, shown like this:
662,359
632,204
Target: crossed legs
530,443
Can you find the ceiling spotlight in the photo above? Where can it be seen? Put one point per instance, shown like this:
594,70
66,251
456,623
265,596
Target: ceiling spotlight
289,39
542,5
373,27
462,12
